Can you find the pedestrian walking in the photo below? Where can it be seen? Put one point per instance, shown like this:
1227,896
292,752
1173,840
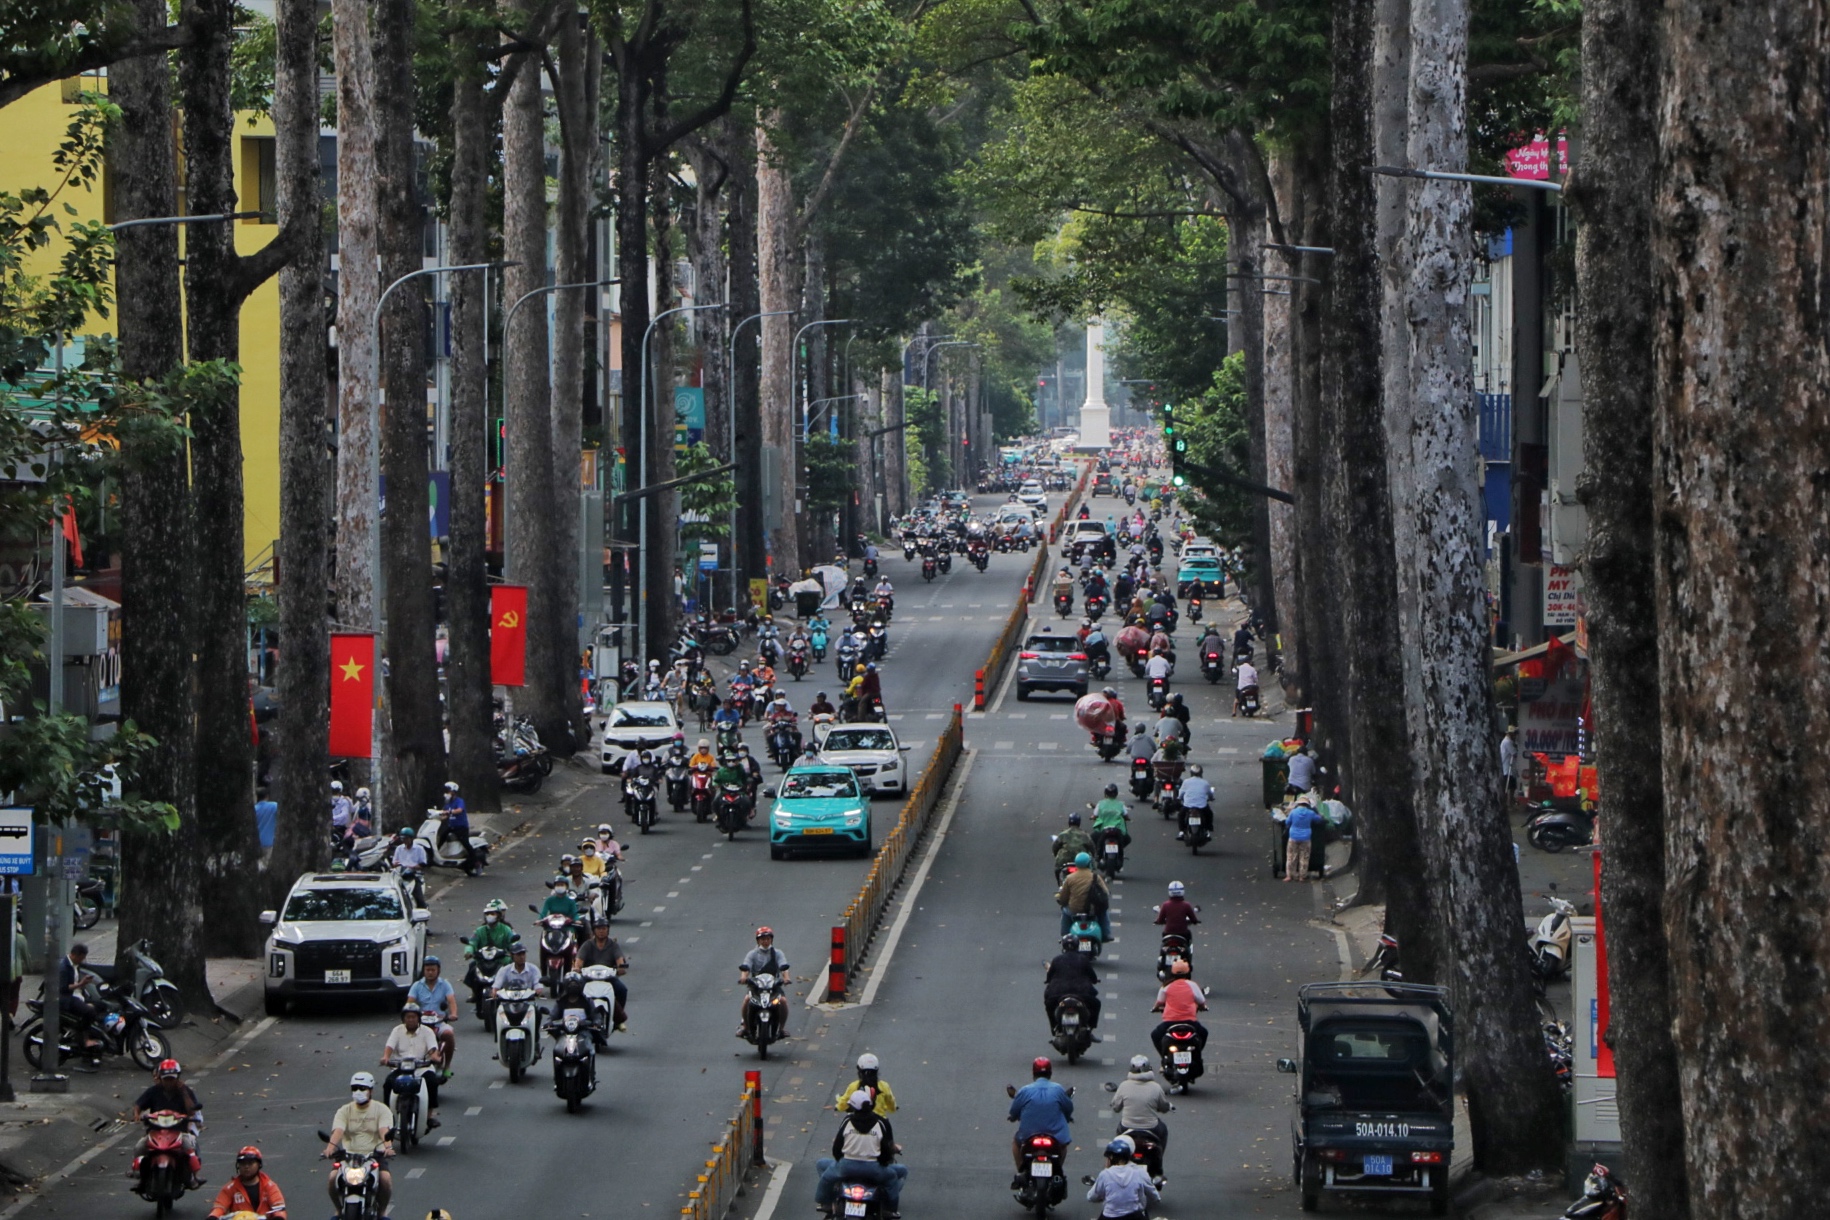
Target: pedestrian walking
1509,759
1300,823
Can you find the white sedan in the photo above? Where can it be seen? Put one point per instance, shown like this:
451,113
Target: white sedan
637,725
1031,494
870,751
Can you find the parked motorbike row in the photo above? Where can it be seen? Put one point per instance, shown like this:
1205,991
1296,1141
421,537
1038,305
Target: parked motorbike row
132,1003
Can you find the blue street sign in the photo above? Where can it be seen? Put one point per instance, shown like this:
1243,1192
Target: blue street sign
16,842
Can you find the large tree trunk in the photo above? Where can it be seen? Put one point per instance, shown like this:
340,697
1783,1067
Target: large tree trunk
307,474
415,767
632,247
705,237
577,91
219,600
1512,1098
358,285
1612,193
1279,442
780,291
472,761
1741,442
160,870
529,410
746,301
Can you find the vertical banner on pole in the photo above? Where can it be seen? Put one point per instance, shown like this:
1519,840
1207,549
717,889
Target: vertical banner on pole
352,694
508,635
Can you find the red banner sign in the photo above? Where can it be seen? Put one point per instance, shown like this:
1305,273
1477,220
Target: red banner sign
352,695
508,635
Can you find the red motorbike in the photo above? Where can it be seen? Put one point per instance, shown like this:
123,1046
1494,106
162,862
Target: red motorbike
162,1171
700,797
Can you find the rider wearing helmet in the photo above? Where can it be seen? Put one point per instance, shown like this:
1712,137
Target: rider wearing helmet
1070,843
1122,1187
864,1150
1084,893
169,1092
1040,1107
438,1008
1197,794
250,1190
1177,915
882,1100
1179,1000
765,958
495,933
1137,1101
1110,815
602,950
410,856
361,1127
456,823
702,755
412,1040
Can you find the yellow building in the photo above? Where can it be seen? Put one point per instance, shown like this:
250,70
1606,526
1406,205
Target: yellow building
31,130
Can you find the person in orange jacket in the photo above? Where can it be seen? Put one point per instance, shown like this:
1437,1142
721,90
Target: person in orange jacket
250,1190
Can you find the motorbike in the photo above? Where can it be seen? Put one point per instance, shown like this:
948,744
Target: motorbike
162,1172
797,662
1083,936
886,607
1157,694
521,769
981,558
122,1028
729,736
1245,701
558,940
600,1001
908,551
870,567
86,911
574,1058
638,791
1560,1046
1194,830
1603,1198
609,888
358,1183
517,1031
1071,1027
1099,664
450,854
816,636
847,659
930,567
1064,604
733,809
720,641
876,643
1555,829
1174,949
484,963
1550,944
1194,609
1142,781
860,1201
765,1017
401,1091
1181,1060
1042,1184
1096,606
1108,852
1109,743
768,651
1212,667
701,794
159,997
785,743
675,777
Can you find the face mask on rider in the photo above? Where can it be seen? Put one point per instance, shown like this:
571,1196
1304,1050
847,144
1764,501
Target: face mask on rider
359,1096
491,917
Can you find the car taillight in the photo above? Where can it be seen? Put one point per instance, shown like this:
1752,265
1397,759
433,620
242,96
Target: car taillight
1029,656
1331,1154
1077,656
1426,1158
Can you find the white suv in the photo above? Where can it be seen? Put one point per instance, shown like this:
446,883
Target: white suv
340,934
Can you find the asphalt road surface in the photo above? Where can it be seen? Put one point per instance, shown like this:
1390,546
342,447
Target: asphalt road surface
667,1085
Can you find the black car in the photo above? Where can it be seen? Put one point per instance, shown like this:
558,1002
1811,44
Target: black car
1375,1092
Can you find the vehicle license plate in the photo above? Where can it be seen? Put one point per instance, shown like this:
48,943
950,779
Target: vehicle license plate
1378,1166
818,830
336,976
1041,1169
1086,946
1068,1018
1182,1058
854,1209
1111,849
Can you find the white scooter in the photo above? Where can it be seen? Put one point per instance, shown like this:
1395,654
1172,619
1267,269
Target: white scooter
450,854
517,1030
600,1000
1549,945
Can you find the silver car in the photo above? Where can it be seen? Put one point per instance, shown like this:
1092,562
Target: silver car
1051,662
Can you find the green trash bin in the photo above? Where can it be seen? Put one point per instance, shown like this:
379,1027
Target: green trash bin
1276,779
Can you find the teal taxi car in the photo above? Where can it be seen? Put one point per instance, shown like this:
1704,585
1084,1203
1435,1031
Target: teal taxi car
819,807
1200,574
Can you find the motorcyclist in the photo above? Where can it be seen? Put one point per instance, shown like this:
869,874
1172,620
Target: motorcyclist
494,932
704,698
765,958
1247,680
883,1101
1178,709
652,682
1084,894
1096,584
864,1150
1137,1102
702,755
409,856
411,1039
589,862
1040,1107
818,627
1168,727
1122,1189
1211,642
1095,644
1177,915
1158,666
456,822
731,773
1071,974
603,950
340,809
1064,583
437,1008
1197,794
517,975
560,902
729,716
1179,1000
1242,639
1143,745
872,686
360,1128
73,980
1111,814
885,592
169,1092
607,846
822,706
1070,843
752,770
250,1190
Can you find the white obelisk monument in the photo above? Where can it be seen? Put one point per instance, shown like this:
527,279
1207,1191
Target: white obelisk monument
1095,416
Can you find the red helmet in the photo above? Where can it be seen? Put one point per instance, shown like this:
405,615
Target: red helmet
250,1153
170,1067
765,930
1040,1066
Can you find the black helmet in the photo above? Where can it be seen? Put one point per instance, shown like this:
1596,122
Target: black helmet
1111,789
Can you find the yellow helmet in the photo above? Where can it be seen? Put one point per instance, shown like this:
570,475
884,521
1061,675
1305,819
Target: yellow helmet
858,670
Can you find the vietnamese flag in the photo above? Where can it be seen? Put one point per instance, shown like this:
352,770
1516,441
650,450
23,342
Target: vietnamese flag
352,695
508,635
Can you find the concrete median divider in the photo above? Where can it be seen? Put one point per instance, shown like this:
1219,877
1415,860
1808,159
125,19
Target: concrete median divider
718,1182
851,936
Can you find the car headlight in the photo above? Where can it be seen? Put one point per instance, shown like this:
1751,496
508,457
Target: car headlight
397,962
854,819
276,965
783,821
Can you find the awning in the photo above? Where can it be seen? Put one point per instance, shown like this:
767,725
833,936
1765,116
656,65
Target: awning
1502,659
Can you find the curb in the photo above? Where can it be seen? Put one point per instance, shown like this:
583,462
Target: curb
40,1132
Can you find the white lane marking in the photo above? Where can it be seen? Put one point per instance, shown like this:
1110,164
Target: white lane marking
472,1111
1226,749
1057,715
670,894
935,716
416,1173
445,1141
935,618
1003,745
657,911
706,856
882,965
773,1193
497,1084
897,716
697,867
1018,716
25,1201
630,940
1049,745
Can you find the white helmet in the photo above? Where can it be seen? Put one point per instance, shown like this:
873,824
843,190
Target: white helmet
362,1080
1139,1063
450,787
867,1062
362,794
336,785
1176,890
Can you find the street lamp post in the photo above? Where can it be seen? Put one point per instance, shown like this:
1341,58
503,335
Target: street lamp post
835,398
641,601
730,408
926,364
794,352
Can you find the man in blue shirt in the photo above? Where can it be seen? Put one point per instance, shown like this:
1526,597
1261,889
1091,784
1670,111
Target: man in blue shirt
1300,823
1198,794
456,824
1302,772
1040,1107
438,1008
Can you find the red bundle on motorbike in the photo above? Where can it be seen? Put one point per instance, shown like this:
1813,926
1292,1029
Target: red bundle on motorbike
1094,712
1131,641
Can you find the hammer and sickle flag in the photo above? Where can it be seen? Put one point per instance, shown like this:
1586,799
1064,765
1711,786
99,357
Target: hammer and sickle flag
352,695
508,635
